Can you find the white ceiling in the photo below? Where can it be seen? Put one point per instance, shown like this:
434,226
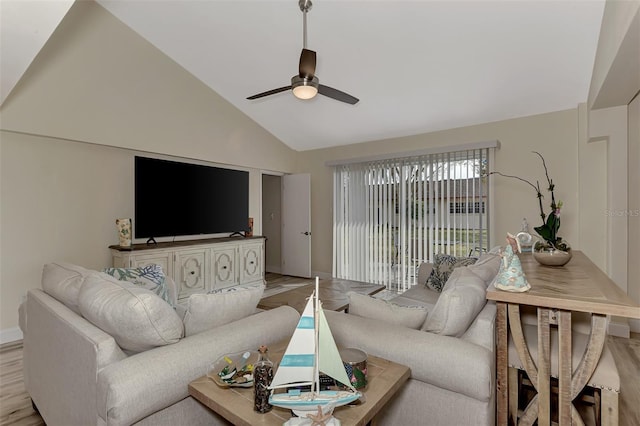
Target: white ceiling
416,66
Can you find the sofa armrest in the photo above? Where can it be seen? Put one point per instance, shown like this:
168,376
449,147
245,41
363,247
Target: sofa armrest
446,362
482,330
63,353
144,383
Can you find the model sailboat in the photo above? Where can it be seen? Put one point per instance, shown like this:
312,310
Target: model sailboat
311,350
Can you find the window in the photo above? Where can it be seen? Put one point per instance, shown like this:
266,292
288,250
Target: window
390,215
465,207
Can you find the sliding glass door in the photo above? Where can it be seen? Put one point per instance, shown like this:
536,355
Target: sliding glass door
390,215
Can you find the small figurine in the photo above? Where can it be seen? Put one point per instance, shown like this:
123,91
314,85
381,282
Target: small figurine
510,276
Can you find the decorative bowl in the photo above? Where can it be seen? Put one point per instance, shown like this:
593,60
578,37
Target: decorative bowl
547,255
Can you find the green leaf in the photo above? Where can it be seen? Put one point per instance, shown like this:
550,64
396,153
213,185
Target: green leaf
544,232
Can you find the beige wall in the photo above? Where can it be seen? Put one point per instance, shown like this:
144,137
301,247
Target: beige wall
97,81
608,127
554,135
634,204
97,94
592,181
616,71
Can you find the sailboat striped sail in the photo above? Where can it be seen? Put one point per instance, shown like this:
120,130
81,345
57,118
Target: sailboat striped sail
311,350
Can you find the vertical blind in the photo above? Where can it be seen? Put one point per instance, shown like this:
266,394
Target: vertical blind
393,214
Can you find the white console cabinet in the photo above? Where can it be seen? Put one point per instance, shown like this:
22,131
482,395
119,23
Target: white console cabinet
199,266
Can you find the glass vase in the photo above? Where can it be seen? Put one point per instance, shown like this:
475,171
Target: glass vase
262,376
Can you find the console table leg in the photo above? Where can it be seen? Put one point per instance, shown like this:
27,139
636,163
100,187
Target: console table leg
502,367
544,369
564,368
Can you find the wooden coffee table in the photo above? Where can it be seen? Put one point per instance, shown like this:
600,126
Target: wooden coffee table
333,294
385,378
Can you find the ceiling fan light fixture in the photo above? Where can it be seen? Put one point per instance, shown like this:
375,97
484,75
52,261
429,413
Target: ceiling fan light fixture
304,88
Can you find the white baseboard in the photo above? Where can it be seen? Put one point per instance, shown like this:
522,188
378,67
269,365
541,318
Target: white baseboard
10,335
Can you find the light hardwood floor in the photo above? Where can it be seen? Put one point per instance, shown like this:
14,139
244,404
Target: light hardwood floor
16,409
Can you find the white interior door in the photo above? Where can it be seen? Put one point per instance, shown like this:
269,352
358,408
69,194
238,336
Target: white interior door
296,225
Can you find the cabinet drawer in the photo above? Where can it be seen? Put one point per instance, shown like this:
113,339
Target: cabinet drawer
252,256
191,272
224,267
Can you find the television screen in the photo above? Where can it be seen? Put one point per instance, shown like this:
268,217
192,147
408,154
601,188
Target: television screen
176,199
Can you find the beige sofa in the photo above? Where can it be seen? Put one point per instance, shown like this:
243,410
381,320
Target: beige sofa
77,374
452,376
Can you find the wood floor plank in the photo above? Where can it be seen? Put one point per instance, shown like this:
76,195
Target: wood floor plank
626,353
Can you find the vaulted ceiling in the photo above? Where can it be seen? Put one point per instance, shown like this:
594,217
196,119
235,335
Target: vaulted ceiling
416,66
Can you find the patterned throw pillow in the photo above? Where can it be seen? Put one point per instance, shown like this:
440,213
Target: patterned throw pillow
443,265
150,277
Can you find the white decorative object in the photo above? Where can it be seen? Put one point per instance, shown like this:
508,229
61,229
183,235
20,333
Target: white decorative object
511,277
311,349
124,231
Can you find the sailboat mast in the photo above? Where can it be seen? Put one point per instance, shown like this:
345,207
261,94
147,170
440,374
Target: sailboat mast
316,316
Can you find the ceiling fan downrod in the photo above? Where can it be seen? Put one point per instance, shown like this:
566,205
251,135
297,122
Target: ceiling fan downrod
305,6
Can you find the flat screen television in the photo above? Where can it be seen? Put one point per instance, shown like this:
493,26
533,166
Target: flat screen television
177,199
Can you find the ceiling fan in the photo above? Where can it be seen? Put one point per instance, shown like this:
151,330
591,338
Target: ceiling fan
305,85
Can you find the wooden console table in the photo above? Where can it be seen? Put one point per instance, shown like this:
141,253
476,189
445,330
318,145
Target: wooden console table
578,286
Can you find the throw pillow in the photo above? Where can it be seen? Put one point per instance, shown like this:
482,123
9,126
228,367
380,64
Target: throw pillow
150,277
137,318
443,266
462,299
62,281
370,307
486,267
205,311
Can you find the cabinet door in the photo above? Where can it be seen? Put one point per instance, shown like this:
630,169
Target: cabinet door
164,259
191,276
224,266
252,269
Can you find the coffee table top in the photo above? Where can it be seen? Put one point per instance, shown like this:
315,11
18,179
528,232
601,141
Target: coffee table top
236,404
333,294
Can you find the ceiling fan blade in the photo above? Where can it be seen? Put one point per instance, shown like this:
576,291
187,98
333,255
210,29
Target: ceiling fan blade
307,66
336,94
269,92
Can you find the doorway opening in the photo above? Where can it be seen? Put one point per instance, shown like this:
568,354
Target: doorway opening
272,222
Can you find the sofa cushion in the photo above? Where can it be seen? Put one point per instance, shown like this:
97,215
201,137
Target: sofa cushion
486,267
137,318
205,311
62,281
417,295
462,298
443,266
389,312
149,276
